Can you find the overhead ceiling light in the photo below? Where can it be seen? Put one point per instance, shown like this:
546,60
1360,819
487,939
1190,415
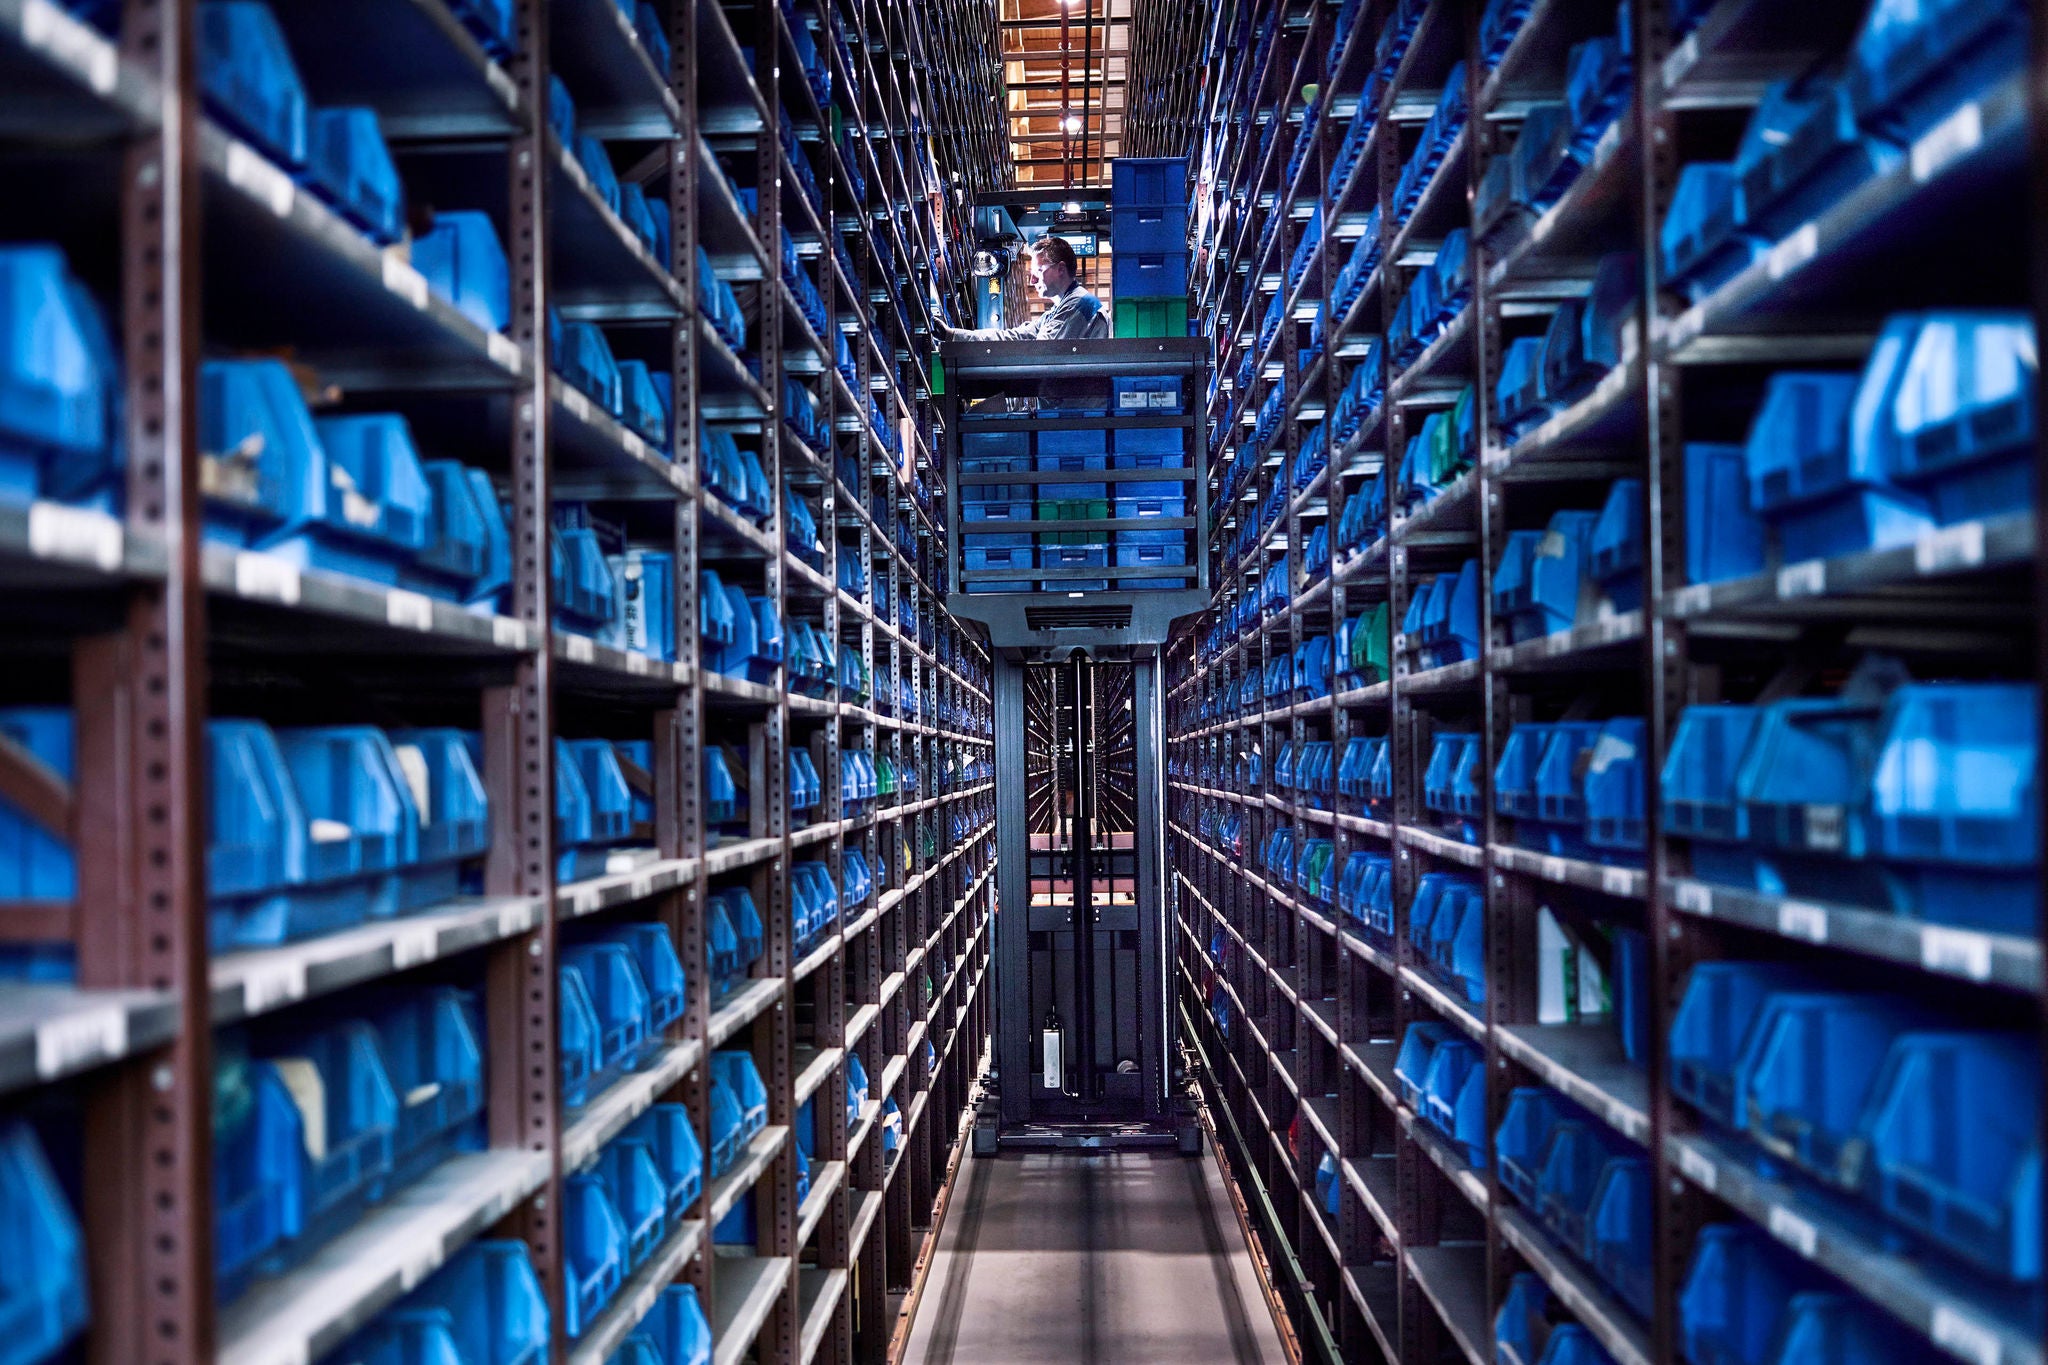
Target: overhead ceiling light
1072,123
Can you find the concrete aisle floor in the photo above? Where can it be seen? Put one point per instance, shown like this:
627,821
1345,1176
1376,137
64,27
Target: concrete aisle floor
1123,1259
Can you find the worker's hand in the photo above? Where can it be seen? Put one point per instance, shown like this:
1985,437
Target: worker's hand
943,330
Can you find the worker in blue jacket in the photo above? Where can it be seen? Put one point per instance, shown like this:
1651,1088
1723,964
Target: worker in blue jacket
1075,315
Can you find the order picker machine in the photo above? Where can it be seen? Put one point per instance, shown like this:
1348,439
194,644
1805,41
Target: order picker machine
1078,536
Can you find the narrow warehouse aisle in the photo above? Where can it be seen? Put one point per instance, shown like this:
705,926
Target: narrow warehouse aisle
1130,1257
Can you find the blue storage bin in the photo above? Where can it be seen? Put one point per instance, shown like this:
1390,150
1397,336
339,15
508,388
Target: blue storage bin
585,359
677,1326
661,971
1579,1152
1446,1103
1137,229
1805,774
59,381
637,1194
586,594
618,998
1723,537
1572,1344
1522,1142
374,513
465,538
1614,786
1946,405
265,462
735,1070
1136,181
438,769
578,1039
1710,1034
638,215
1911,65
1827,1328
1616,546
1697,786
432,1052
1618,1231
1954,1146
594,1251
43,1301
1699,244
1798,447
1523,1324
37,863
1151,393
1074,556
342,1069
1733,1303
671,1140
1150,275
646,402
611,799
1447,751
270,879
597,168
349,167
1807,1070
728,1126
248,80
1411,1066
1151,556
1801,153
486,1304
1953,802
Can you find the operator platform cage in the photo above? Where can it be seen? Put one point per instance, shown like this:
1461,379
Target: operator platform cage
1078,472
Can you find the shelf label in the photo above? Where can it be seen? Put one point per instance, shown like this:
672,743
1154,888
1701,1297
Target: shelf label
1793,252
1825,826
503,350
425,1260
1684,328
1682,60
1797,919
1807,578
1950,549
78,1038
507,633
1692,897
71,43
584,900
266,578
1957,135
75,535
1696,1168
579,648
1617,881
515,919
577,404
1794,1231
256,177
408,610
401,279
642,886
1692,599
414,944
269,985
1956,952
1971,1340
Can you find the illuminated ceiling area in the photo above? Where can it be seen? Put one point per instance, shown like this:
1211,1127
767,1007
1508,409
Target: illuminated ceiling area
1065,66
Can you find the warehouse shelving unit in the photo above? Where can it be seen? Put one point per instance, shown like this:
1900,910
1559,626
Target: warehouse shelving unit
204,248
1297,1012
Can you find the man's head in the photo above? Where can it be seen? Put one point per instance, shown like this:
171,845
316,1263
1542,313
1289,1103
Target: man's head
1052,267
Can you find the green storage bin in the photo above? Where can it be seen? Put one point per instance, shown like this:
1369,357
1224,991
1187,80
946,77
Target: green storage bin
1371,646
1160,317
1073,509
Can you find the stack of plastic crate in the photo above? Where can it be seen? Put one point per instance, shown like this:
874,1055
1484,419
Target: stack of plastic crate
1148,235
